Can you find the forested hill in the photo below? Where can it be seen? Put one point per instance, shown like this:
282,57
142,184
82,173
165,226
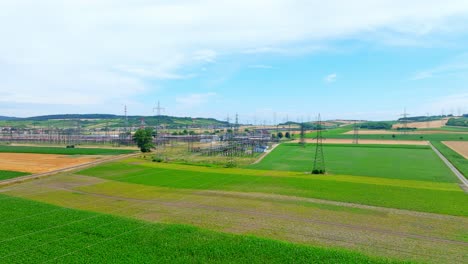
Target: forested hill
103,120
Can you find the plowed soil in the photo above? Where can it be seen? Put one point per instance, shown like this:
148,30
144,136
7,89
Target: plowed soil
461,147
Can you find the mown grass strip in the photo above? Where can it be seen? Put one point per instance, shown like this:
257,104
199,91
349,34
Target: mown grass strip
450,201
110,239
5,175
271,173
63,151
379,146
456,159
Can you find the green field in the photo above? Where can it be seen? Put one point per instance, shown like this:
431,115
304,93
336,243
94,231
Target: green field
33,232
140,211
339,133
456,159
426,196
5,175
452,128
386,161
63,151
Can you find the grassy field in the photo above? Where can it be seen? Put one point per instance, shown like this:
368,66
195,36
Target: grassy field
425,196
5,175
450,128
177,153
339,133
386,161
33,232
63,151
456,159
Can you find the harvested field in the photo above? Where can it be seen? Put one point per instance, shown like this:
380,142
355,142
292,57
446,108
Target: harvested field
80,146
367,141
38,163
461,147
430,124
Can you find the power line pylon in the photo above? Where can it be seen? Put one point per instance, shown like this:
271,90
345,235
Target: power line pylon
158,109
236,127
126,119
404,121
302,142
428,122
356,133
319,161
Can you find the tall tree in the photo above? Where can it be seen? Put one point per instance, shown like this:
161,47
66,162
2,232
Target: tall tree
144,139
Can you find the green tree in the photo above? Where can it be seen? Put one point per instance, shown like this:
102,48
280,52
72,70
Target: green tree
143,137
287,135
280,135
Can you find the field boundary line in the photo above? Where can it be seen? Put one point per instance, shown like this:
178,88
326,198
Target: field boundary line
49,173
266,153
457,173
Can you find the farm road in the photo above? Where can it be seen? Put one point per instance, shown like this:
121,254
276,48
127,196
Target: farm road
266,153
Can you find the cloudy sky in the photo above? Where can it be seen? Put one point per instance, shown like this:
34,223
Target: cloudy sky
365,59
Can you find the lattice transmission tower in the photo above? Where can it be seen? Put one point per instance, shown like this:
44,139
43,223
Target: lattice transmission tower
356,133
302,142
319,161
405,121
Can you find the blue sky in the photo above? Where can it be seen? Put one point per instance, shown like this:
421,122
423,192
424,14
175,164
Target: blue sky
359,60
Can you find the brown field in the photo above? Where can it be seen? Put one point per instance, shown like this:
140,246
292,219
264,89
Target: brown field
368,141
430,124
79,146
461,147
38,163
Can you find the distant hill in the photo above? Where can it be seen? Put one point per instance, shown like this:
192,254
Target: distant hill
99,121
424,118
69,116
7,118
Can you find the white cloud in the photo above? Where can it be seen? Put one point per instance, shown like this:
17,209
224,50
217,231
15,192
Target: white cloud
330,78
193,100
105,51
260,66
458,65
205,55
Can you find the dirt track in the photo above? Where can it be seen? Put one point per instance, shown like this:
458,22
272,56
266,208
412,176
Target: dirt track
38,163
461,147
